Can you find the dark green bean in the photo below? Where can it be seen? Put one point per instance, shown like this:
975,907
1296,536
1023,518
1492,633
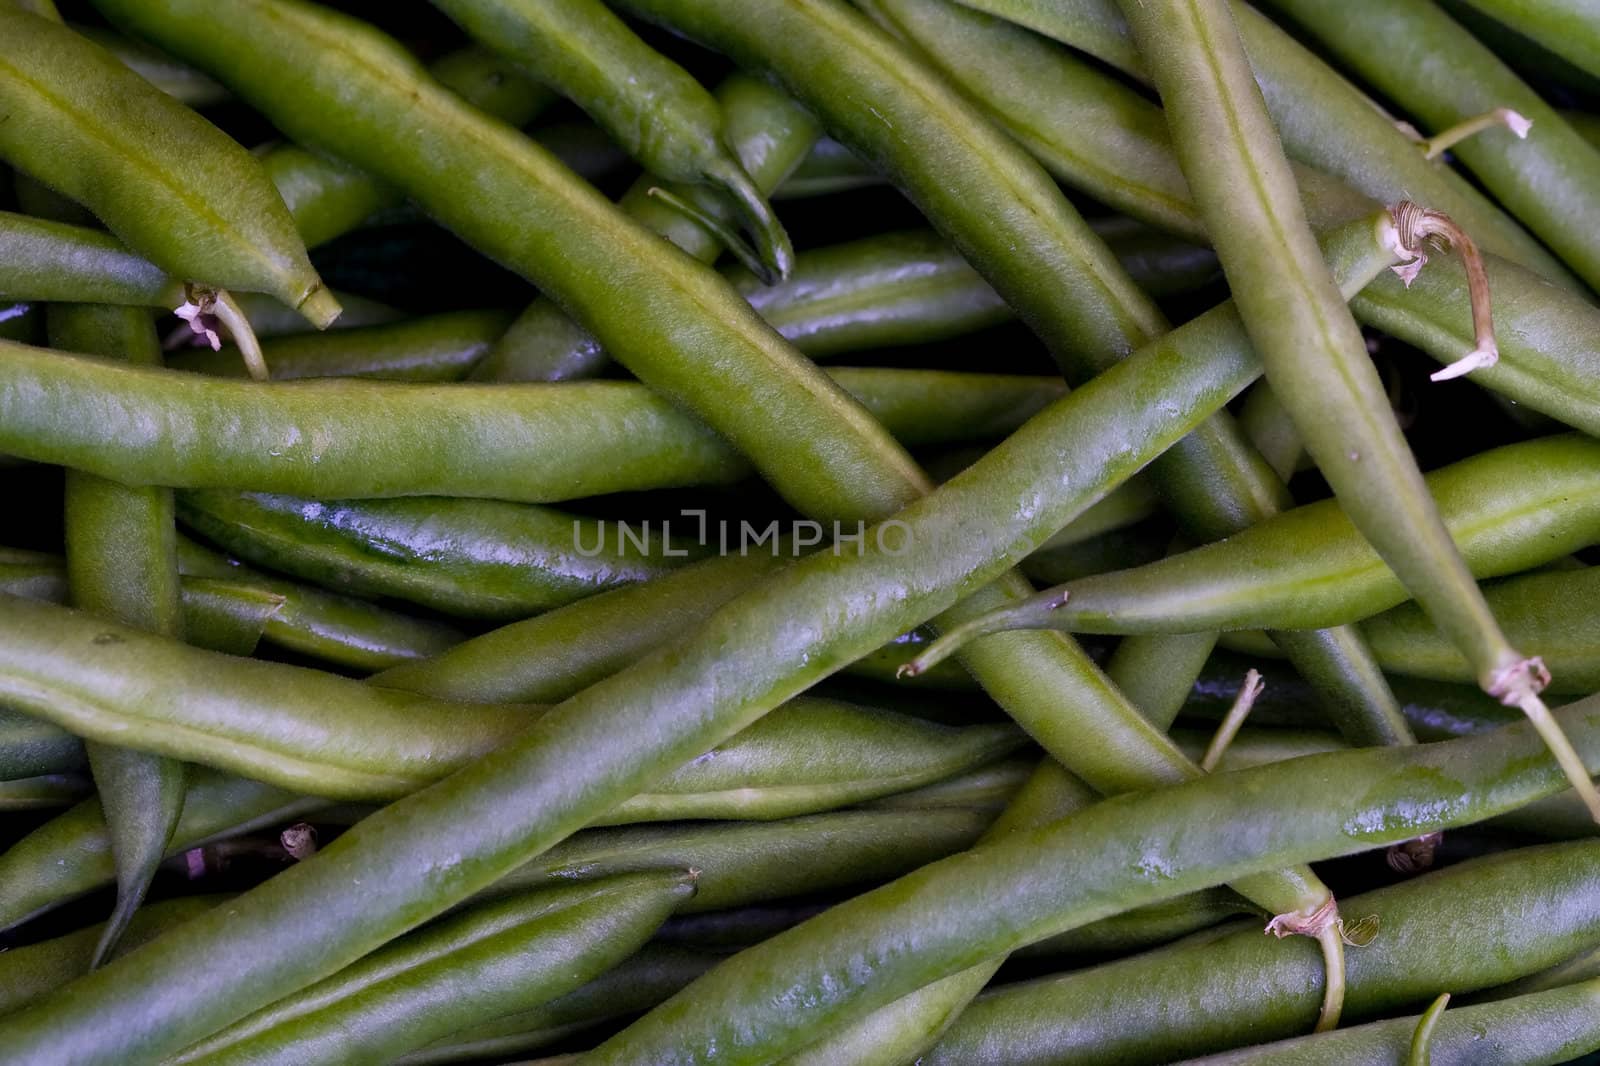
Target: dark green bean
332,438
28,972
43,792
637,983
469,968
769,133
1324,121
1568,28
122,564
162,179
1541,1029
1522,907
1031,884
71,854
1509,509
436,348
1434,69
648,104
476,558
30,747
1090,440
892,289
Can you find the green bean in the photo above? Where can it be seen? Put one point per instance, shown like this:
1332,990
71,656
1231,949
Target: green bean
768,132
71,854
476,558
649,105
336,438
892,289
43,792
637,983
436,348
381,743
469,968
1314,353
269,318
1553,612
1090,440
745,863
122,564
1031,884
1436,70
1569,28
988,787
1324,122
1510,509
1542,1029
828,168
28,972
30,748
162,179
179,81
1525,906
47,260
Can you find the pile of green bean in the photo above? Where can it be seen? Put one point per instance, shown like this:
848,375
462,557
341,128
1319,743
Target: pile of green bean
448,615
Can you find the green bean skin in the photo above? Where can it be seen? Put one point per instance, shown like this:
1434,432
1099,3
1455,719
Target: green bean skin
1547,358
1509,509
1569,28
568,240
745,863
769,133
30,748
1554,614
1324,122
71,854
1542,1029
470,968
45,260
44,792
1437,71
892,289
476,558
1466,927
28,972
122,564
332,439
648,105
995,205
524,790
828,168
637,983
548,658
178,80
436,348
160,177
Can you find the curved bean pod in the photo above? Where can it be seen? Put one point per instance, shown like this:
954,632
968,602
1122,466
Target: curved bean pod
1526,906
469,968
436,348
637,983
122,564
71,854
1323,120
648,104
1437,71
28,972
1089,441
1510,509
161,178
1540,1029
332,438
768,131
476,558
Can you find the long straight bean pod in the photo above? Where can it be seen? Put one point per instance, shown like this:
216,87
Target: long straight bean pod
1526,906
1569,28
469,968
1441,75
661,711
